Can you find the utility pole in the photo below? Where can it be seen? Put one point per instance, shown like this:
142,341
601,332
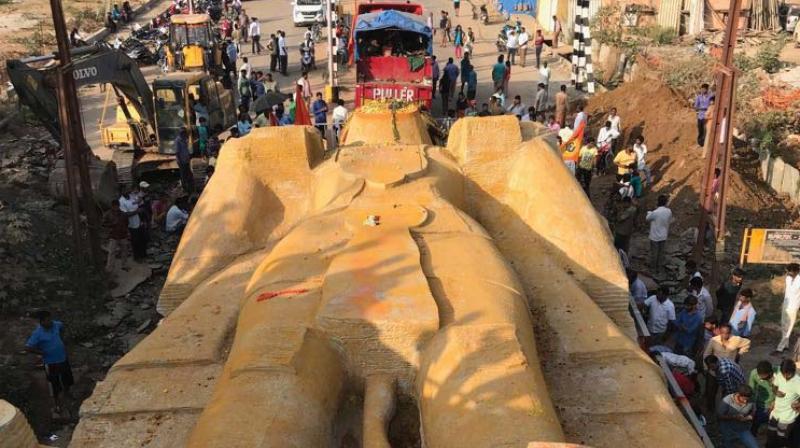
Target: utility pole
582,70
76,150
718,143
328,19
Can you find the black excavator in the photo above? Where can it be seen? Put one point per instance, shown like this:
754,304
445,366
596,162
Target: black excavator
148,116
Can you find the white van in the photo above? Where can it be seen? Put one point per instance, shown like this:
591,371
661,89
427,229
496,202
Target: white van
305,12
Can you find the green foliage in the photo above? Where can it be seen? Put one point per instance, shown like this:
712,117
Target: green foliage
768,128
743,62
768,55
606,26
657,34
37,43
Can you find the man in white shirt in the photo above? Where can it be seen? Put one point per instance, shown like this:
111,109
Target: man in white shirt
246,67
541,98
512,45
580,117
522,41
606,136
680,362
637,287
516,107
791,303
177,216
255,34
641,157
305,84
705,304
660,312
283,53
545,72
614,119
659,220
616,126
339,113
129,205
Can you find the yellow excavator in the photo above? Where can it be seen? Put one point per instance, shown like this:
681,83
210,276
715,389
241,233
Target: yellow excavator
148,115
193,46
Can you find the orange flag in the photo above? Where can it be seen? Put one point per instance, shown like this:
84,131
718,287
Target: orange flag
301,116
570,149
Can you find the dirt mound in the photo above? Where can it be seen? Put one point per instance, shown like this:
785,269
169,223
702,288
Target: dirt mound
669,126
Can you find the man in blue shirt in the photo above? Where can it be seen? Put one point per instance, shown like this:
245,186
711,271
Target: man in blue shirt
451,71
320,111
688,326
702,102
472,84
232,55
46,342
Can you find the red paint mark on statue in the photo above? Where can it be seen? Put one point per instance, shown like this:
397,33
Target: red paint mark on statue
264,296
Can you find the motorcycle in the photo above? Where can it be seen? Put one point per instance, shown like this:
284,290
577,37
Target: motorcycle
138,51
316,28
484,14
501,42
307,61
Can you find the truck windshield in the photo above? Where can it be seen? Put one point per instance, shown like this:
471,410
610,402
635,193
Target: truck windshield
391,42
190,35
309,2
170,115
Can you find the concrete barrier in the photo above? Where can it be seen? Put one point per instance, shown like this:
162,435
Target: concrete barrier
782,177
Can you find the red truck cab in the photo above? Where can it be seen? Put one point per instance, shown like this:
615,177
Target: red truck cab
391,47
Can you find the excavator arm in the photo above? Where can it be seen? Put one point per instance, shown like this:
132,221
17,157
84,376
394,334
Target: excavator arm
36,87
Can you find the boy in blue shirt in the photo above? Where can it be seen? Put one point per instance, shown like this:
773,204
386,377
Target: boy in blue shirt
320,111
202,137
46,342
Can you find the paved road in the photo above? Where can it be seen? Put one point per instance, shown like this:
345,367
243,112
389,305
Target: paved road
276,14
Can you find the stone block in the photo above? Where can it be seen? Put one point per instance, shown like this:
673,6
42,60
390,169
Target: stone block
791,178
776,177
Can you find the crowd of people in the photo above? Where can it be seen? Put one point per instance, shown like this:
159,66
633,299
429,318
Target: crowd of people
134,215
701,336
704,339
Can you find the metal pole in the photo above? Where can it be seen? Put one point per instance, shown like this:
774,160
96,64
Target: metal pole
191,7
328,17
726,167
76,150
720,131
69,167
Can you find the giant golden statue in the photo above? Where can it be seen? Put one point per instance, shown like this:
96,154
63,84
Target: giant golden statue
396,293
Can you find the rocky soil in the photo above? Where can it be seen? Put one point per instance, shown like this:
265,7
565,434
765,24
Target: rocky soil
39,272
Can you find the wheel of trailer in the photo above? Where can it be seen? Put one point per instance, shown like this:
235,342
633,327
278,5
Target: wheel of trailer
199,167
124,160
